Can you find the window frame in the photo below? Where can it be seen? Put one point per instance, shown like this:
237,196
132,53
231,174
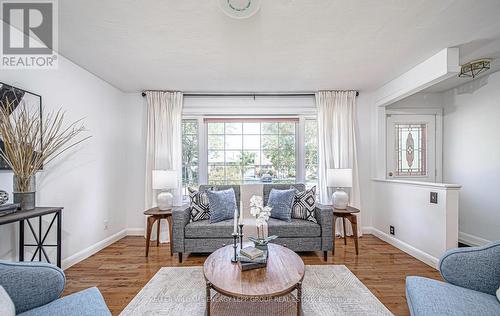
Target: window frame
382,118
300,172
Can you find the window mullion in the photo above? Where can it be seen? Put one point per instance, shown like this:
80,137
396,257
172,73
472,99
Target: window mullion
202,152
300,150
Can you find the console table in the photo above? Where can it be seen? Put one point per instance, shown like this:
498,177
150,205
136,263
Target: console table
25,216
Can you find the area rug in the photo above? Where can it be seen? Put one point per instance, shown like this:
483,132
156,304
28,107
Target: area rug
327,290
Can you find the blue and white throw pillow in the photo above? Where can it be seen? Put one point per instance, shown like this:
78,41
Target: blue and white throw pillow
200,207
304,204
222,205
281,203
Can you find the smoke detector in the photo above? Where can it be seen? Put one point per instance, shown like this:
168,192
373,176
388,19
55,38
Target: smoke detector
239,9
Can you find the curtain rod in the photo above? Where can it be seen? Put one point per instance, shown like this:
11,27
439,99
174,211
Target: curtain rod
245,94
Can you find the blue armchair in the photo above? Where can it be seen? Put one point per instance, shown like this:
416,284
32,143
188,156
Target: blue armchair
472,277
35,287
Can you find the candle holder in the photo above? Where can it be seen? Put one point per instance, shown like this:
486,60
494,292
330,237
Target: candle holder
235,246
241,235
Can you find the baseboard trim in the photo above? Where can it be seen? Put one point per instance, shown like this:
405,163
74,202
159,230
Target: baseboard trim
89,251
412,251
471,240
135,231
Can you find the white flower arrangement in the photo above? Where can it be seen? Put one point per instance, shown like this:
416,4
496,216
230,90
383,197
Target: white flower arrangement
260,212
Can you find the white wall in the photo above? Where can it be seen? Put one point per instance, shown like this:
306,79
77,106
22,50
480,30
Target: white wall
422,229
419,101
364,151
136,124
90,182
471,155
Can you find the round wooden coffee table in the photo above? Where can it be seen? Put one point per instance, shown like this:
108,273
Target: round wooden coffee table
284,274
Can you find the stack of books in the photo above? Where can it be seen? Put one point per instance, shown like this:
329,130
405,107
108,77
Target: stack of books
252,258
9,208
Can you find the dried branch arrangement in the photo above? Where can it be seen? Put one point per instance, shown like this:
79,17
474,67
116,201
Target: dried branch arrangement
31,142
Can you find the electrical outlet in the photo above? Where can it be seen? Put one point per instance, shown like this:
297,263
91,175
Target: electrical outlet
434,197
391,230
106,225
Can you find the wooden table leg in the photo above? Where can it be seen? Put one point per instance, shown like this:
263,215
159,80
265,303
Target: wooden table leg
158,232
299,298
354,223
208,297
333,229
345,233
151,221
169,220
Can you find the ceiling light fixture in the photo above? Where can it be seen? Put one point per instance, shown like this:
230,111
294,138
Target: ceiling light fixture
239,9
474,68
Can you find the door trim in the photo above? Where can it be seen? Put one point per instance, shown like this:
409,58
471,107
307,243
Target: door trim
438,114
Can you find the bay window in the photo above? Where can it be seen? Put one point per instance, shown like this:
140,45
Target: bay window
247,150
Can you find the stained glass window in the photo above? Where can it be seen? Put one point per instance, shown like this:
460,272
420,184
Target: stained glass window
411,151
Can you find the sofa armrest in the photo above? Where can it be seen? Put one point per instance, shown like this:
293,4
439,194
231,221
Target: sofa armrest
476,268
324,217
31,284
180,216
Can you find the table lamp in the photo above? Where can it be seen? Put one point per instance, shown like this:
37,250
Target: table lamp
339,179
164,180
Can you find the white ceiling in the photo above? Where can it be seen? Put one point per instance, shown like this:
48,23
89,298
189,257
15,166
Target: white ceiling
290,45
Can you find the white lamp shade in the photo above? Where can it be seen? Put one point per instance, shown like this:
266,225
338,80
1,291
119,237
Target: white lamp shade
164,179
339,178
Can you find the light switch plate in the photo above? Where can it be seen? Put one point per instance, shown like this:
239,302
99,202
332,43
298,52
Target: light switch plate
434,197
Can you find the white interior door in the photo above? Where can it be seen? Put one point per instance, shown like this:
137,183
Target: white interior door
411,147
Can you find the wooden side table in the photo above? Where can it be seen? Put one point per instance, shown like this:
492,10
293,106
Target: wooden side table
154,214
348,214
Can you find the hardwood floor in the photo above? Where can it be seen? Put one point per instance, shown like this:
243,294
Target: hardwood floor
121,270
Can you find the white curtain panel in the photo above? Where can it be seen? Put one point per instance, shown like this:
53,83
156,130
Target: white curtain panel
164,144
337,144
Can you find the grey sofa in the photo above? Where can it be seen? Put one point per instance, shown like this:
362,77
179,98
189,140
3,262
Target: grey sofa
298,235
472,277
35,287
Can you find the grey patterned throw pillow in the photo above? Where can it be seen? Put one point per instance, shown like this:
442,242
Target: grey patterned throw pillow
304,205
200,207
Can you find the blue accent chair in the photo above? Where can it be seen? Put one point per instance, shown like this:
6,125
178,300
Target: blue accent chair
35,287
472,278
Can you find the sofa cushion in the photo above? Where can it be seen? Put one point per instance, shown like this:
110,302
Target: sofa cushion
431,297
200,207
205,229
304,205
281,202
267,187
294,228
220,187
222,205
88,302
